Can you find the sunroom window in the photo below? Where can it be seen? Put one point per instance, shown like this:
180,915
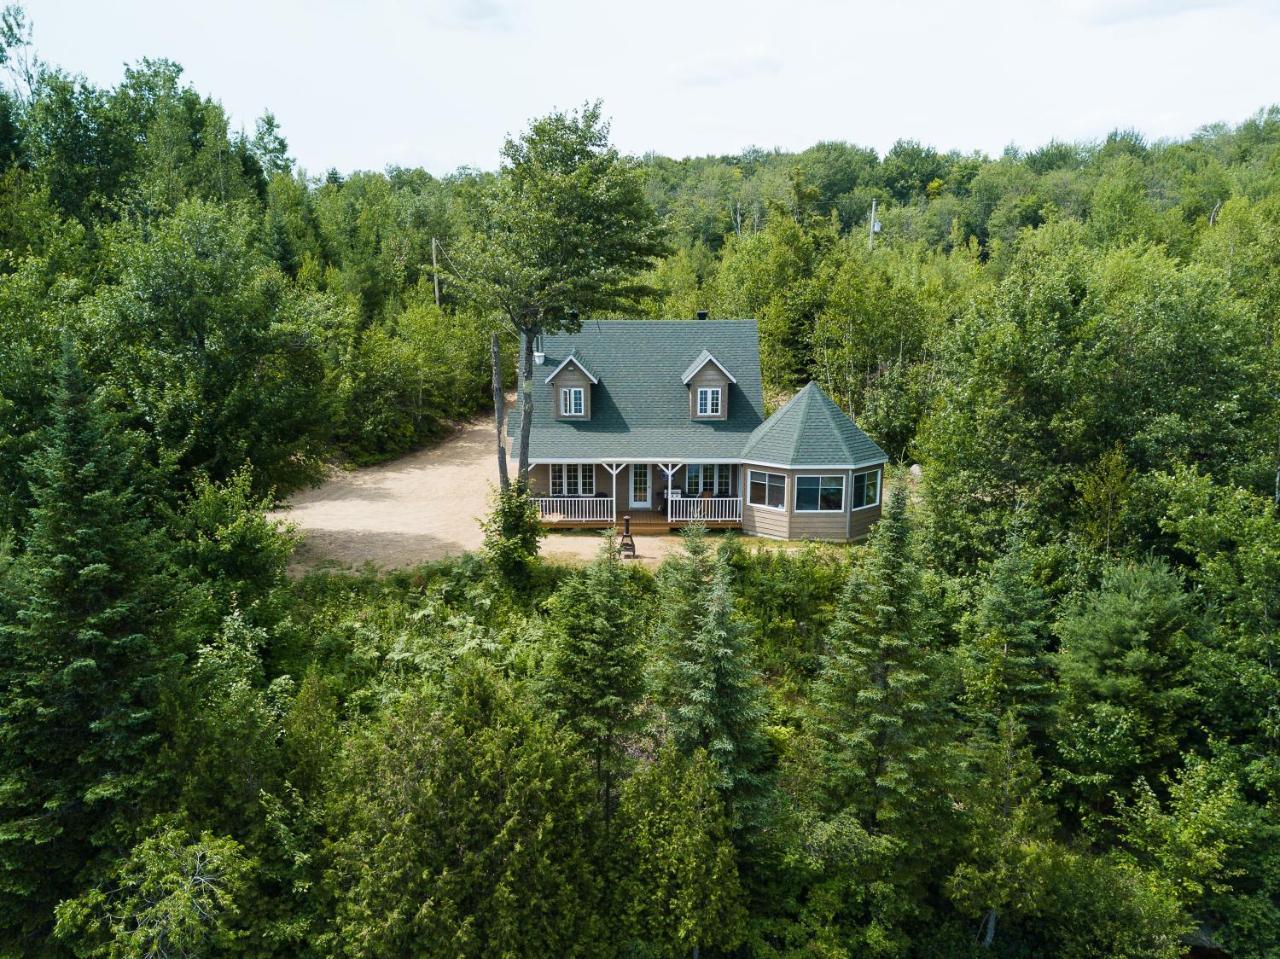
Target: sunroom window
866,489
767,489
820,494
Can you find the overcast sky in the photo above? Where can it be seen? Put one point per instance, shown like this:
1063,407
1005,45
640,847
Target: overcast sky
438,83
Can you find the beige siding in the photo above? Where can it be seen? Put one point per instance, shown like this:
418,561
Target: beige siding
757,521
709,376
539,480
571,375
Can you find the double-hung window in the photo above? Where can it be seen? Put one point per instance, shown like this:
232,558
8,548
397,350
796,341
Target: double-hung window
766,489
866,489
571,401
708,401
820,494
573,479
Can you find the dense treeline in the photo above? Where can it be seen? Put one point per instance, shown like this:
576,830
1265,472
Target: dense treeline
1038,714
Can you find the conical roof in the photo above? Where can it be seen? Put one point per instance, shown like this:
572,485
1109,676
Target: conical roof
810,430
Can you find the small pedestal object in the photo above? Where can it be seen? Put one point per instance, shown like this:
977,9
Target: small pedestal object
628,544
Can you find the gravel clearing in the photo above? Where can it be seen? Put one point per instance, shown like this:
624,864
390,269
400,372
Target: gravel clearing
418,508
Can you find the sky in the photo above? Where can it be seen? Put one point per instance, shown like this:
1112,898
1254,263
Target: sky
440,83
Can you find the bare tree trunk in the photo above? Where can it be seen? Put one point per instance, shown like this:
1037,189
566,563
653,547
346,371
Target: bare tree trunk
499,409
526,405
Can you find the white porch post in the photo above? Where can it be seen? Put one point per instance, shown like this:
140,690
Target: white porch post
669,469
614,469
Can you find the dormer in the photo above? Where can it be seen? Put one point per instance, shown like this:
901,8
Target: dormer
571,384
708,382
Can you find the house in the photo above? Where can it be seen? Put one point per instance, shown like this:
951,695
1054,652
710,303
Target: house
663,421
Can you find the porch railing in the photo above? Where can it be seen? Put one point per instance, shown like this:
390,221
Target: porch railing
716,509
575,508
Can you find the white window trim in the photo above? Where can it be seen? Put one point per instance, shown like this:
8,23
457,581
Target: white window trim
567,396
820,477
709,392
879,484
785,484
717,471
580,470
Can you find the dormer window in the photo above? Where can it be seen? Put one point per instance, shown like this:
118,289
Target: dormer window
708,382
709,401
572,401
570,393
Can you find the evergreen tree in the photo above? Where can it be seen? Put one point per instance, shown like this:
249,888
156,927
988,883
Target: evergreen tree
710,691
882,815
1126,685
594,673
679,888
464,830
1004,662
86,653
875,709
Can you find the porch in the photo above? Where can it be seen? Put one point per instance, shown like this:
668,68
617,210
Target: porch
657,496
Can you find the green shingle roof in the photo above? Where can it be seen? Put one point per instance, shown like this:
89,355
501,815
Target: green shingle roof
810,430
640,404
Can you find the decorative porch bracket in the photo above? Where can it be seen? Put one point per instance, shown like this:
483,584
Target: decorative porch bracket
669,469
614,469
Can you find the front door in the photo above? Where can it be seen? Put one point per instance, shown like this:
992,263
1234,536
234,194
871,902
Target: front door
640,498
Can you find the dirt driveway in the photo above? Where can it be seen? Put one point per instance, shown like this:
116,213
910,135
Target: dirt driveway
421,507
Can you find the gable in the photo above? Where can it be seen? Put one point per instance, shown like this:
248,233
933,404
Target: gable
699,365
570,362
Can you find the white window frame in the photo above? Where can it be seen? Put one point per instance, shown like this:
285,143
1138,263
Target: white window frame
716,472
572,401
879,483
765,505
820,477
582,477
712,406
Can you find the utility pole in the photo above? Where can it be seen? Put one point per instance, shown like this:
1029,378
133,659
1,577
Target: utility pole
872,227
435,271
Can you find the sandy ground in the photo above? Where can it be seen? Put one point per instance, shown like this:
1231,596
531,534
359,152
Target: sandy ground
421,507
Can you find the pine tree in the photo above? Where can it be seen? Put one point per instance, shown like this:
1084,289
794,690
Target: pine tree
1005,661
594,671
874,698
86,651
710,691
883,761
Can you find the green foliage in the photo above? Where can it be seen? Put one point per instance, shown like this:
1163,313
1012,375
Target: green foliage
875,698
175,895
223,537
1005,662
709,691
679,884
464,829
593,672
86,649
565,227
511,534
212,373
1126,685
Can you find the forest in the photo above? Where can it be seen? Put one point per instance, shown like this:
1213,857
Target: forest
1037,714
